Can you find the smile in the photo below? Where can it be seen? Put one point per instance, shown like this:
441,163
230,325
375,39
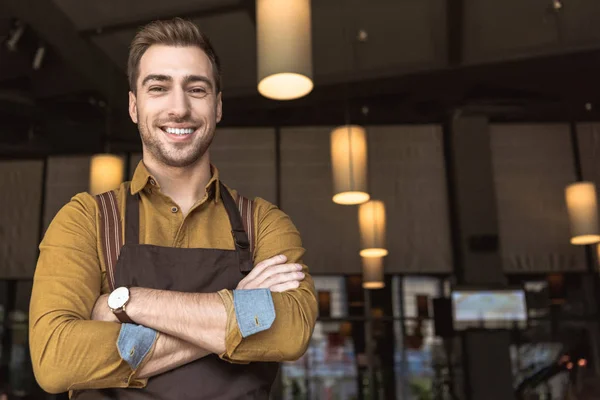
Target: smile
179,131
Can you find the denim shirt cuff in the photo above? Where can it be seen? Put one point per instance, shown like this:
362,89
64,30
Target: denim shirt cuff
134,343
254,310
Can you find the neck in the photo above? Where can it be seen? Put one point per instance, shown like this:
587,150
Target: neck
185,185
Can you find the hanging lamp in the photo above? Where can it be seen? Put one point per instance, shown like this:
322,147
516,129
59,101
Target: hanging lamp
284,48
372,268
349,165
371,219
106,173
582,207
106,169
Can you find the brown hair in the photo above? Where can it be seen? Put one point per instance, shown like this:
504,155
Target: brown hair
172,32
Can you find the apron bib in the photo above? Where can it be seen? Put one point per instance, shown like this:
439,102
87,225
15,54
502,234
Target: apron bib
189,270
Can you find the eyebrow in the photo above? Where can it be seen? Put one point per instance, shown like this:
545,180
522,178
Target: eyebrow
197,78
186,80
156,77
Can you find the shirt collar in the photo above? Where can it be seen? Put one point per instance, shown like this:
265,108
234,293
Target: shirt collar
142,178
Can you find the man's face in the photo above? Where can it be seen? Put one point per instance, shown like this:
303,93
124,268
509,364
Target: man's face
176,106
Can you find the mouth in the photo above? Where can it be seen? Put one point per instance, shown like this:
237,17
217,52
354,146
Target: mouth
179,133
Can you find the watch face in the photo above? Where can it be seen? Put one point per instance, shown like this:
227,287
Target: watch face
118,298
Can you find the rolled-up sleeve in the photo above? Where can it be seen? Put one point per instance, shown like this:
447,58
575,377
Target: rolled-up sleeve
135,343
254,310
68,350
289,335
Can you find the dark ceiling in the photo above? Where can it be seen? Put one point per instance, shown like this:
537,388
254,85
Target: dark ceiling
515,60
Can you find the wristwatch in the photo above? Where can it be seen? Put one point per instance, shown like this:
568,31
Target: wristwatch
117,301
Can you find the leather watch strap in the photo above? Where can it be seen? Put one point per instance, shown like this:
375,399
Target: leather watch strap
123,317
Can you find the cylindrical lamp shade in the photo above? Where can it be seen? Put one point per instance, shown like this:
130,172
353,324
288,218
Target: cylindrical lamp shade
106,173
371,218
349,164
373,273
284,48
583,212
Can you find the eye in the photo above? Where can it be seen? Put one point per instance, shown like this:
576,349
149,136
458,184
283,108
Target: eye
198,90
156,89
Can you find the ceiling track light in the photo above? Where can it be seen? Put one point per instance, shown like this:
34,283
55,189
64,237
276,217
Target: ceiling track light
38,58
15,36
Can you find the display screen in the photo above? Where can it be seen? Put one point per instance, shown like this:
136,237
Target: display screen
490,309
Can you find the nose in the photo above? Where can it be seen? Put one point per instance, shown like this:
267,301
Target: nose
179,105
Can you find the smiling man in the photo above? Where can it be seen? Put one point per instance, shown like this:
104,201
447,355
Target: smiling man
172,286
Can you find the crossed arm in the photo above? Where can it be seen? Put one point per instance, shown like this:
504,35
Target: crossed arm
193,325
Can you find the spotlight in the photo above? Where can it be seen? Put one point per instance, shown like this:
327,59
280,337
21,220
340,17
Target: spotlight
557,5
39,57
15,36
362,36
582,362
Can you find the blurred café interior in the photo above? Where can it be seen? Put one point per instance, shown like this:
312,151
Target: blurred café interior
440,158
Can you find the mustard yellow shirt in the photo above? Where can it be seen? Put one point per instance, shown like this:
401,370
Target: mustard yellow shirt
69,351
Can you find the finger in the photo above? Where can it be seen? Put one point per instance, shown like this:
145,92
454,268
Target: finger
282,278
257,281
272,276
282,287
261,266
258,268
276,270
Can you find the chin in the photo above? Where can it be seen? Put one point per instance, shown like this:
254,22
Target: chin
180,162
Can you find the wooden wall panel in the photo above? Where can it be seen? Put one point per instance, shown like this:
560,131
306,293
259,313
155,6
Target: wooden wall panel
20,206
65,177
532,166
329,231
408,174
245,159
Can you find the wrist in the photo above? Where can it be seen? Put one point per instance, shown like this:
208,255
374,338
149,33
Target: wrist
135,306
117,303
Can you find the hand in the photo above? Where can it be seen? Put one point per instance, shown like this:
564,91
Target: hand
101,312
273,274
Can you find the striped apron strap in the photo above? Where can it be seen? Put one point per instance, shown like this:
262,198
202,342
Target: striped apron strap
246,207
110,233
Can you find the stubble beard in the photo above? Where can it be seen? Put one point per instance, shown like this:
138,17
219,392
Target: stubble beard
177,155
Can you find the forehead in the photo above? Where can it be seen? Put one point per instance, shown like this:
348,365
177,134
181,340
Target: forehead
175,61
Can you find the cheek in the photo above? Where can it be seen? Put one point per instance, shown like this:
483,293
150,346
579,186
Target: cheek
208,111
146,112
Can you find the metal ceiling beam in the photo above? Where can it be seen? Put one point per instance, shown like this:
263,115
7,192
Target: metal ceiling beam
55,28
243,5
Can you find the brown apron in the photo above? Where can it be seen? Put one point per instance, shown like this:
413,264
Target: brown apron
190,270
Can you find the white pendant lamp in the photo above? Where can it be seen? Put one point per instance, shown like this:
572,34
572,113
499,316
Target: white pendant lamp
582,207
372,268
284,48
371,218
106,173
349,164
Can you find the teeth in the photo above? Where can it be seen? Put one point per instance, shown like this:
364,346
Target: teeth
178,131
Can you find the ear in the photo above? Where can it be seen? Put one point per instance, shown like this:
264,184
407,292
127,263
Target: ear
219,107
133,107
